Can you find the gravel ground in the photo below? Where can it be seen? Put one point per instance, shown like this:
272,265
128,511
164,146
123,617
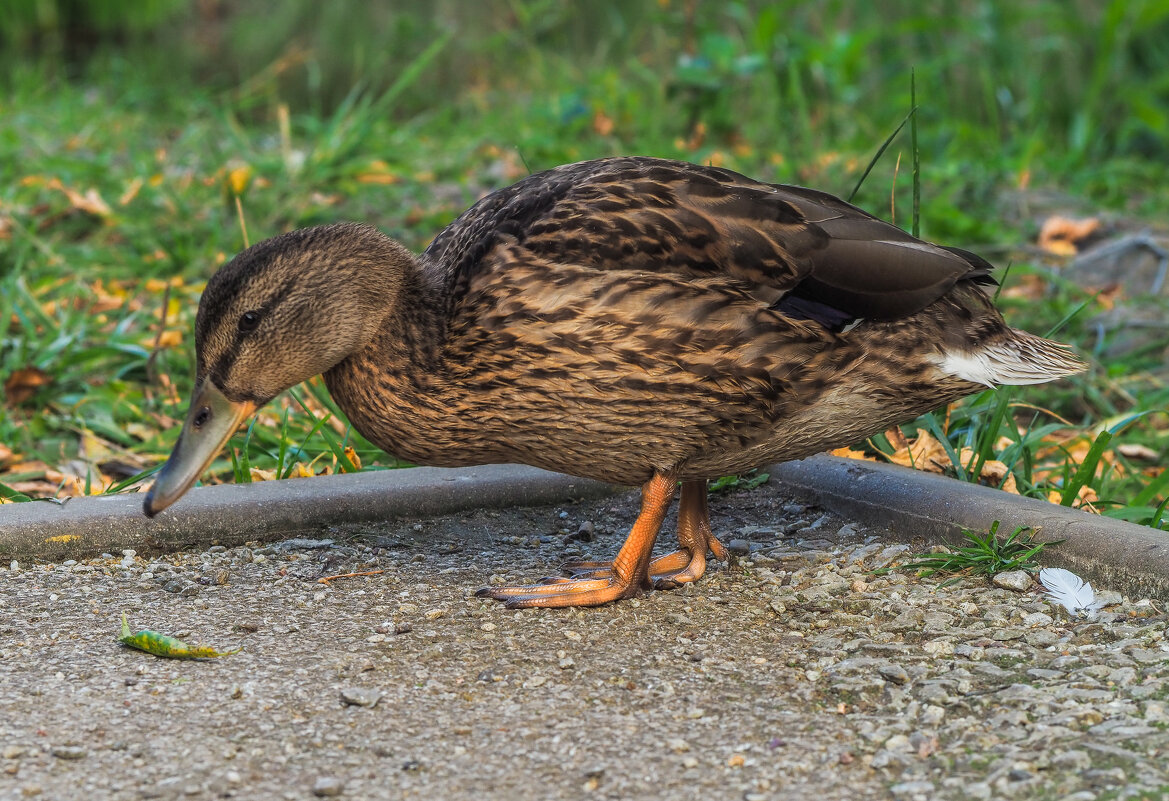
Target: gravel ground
796,673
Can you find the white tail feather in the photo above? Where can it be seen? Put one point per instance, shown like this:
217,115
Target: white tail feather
1022,359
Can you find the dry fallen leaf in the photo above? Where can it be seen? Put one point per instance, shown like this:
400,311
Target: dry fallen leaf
602,123
849,453
1026,287
353,458
90,202
924,453
1063,235
1085,499
1131,450
22,384
378,172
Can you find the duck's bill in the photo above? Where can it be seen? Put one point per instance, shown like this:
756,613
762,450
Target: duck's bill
211,421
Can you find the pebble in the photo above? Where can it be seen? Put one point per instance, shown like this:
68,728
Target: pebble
894,673
69,752
328,787
13,751
360,696
1017,580
585,532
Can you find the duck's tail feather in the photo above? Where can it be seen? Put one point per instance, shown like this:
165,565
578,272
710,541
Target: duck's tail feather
1021,358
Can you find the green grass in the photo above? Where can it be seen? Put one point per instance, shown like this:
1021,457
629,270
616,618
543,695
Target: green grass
403,119
985,555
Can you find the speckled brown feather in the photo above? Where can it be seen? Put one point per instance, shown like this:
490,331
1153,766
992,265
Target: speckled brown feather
610,319
632,320
613,318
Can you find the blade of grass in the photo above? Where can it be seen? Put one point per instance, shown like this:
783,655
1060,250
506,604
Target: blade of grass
916,160
935,428
1087,469
880,152
9,494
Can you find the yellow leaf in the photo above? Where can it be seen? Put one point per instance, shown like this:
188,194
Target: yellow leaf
849,453
1063,235
64,538
262,475
354,458
238,178
131,192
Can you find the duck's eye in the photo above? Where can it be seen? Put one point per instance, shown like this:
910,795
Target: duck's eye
249,321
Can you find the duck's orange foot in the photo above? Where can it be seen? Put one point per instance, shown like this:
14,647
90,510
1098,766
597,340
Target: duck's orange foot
665,573
623,578
563,592
684,565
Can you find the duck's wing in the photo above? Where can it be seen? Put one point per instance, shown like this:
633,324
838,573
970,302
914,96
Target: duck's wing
805,252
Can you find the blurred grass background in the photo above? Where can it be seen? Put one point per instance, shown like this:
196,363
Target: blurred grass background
129,129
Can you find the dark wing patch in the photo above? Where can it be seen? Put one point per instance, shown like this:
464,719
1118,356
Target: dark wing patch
690,222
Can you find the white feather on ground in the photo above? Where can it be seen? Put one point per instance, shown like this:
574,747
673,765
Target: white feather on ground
1070,591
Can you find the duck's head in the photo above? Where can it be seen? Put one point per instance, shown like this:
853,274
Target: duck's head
280,312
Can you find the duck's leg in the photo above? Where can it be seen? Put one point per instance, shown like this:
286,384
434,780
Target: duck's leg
682,566
628,574
694,535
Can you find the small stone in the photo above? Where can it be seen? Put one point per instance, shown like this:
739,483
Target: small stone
932,715
585,532
739,546
360,696
1017,580
402,628
1002,635
938,648
435,614
13,751
915,789
1040,638
894,673
328,787
1037,619
679,746
69,752
1149,656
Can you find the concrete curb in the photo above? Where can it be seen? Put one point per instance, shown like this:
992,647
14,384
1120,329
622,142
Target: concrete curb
1111,553
914,505
231,514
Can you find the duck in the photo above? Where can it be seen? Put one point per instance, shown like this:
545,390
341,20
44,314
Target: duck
638,321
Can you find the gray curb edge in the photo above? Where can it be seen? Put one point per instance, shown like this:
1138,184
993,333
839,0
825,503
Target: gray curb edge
232,514
1111,553
915,505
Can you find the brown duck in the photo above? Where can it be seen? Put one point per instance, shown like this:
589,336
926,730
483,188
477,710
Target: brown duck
633,320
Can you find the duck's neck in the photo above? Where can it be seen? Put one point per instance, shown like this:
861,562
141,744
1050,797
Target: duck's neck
387,387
